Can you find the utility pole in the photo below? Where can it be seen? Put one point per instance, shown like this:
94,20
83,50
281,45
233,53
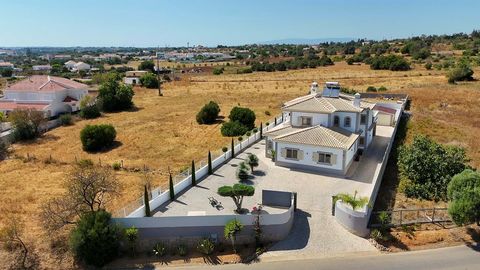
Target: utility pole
158,76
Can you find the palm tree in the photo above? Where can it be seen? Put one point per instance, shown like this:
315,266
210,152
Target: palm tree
353,201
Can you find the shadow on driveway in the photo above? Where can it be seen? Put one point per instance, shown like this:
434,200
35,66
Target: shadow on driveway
299,235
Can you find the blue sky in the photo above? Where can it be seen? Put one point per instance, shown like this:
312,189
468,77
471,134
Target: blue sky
211,22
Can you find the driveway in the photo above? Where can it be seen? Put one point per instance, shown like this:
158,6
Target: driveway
315,231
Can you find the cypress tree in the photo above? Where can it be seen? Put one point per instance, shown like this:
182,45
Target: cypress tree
233,149
172,191
194,179
147,204
210,169
261,130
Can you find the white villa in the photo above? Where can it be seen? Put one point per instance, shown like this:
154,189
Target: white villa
74,66
52,95
323,131
133,77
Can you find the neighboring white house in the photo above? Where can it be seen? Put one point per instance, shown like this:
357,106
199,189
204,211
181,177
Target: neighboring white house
53,95
70,64
81,66
42,68
322,131
6,65
133,77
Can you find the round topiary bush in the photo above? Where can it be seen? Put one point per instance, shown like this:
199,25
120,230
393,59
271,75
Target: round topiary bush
233,128
243,115
97,137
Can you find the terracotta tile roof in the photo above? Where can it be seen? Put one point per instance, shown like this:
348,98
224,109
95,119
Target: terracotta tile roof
45,83
320,136
319,104
12,105
385,109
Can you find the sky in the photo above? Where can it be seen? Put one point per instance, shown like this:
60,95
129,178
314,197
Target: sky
151,23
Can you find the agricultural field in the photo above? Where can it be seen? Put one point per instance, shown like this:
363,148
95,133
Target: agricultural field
162,134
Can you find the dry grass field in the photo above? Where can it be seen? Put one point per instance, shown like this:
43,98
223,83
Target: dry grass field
162,131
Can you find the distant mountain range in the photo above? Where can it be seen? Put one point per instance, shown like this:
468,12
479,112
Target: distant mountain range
308,41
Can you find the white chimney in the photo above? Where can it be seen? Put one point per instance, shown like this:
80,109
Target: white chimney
314,88
356,100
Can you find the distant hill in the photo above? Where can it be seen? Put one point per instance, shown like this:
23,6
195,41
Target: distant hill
307,41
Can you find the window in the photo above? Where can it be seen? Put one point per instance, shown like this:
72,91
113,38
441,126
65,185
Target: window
363,119
336,121
362,141
324,158
306,121
292,153
348,121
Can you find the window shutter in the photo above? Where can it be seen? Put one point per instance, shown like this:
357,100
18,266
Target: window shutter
283,152
300,155
315,156
333,159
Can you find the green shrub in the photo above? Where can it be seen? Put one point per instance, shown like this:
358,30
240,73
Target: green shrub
147,65
131,234
462,72
233,128
242,172
65,119
97,137
464,195
390,62
205,246
90,112
85,163
243,115
95,239
218,70
116,166
149,80
267,113
429,167
371,89
376,235
3,150
382,89
159,249
26,123
208,114
428,65
182,250
115,96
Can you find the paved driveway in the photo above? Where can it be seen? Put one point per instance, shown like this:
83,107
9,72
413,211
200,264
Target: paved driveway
315,231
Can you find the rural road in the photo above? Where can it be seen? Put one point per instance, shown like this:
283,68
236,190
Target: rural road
461,257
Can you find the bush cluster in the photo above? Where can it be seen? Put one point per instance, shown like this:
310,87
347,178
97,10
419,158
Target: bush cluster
149,80
97,137
218,70
390,62
65,119
462,72
298,63
208,114
241,121
115,96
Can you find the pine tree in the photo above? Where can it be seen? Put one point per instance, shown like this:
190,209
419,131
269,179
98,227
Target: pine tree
172,191
210,169
147,204
233,149
194,179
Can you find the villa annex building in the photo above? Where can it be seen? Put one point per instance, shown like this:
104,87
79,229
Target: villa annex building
323,131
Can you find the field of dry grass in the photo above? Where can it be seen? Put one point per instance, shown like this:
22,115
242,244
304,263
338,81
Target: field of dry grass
163,133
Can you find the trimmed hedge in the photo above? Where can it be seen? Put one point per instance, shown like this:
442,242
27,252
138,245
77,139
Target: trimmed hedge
97,137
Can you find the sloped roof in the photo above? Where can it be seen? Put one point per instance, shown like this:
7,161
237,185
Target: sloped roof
280,130
317,103
385,109
320,136
12,105
45,83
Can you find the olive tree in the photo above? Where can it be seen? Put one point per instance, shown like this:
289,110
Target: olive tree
237,192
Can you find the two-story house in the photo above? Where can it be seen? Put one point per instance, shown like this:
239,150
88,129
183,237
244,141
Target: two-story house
322,131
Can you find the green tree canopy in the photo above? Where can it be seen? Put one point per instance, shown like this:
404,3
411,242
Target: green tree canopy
147,65
115,96
95,240
149,80
464,195
429,166
243,115
208,114
236,192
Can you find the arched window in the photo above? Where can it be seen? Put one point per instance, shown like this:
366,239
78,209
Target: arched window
348,121
336,121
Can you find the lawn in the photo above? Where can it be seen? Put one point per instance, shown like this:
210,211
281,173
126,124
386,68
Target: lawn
162,133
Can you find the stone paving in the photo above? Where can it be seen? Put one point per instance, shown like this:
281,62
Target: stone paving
315,231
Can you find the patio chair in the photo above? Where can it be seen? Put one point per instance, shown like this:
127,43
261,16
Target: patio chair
212,201
219,206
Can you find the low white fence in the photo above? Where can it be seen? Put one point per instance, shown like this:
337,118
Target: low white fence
357,221
137,208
